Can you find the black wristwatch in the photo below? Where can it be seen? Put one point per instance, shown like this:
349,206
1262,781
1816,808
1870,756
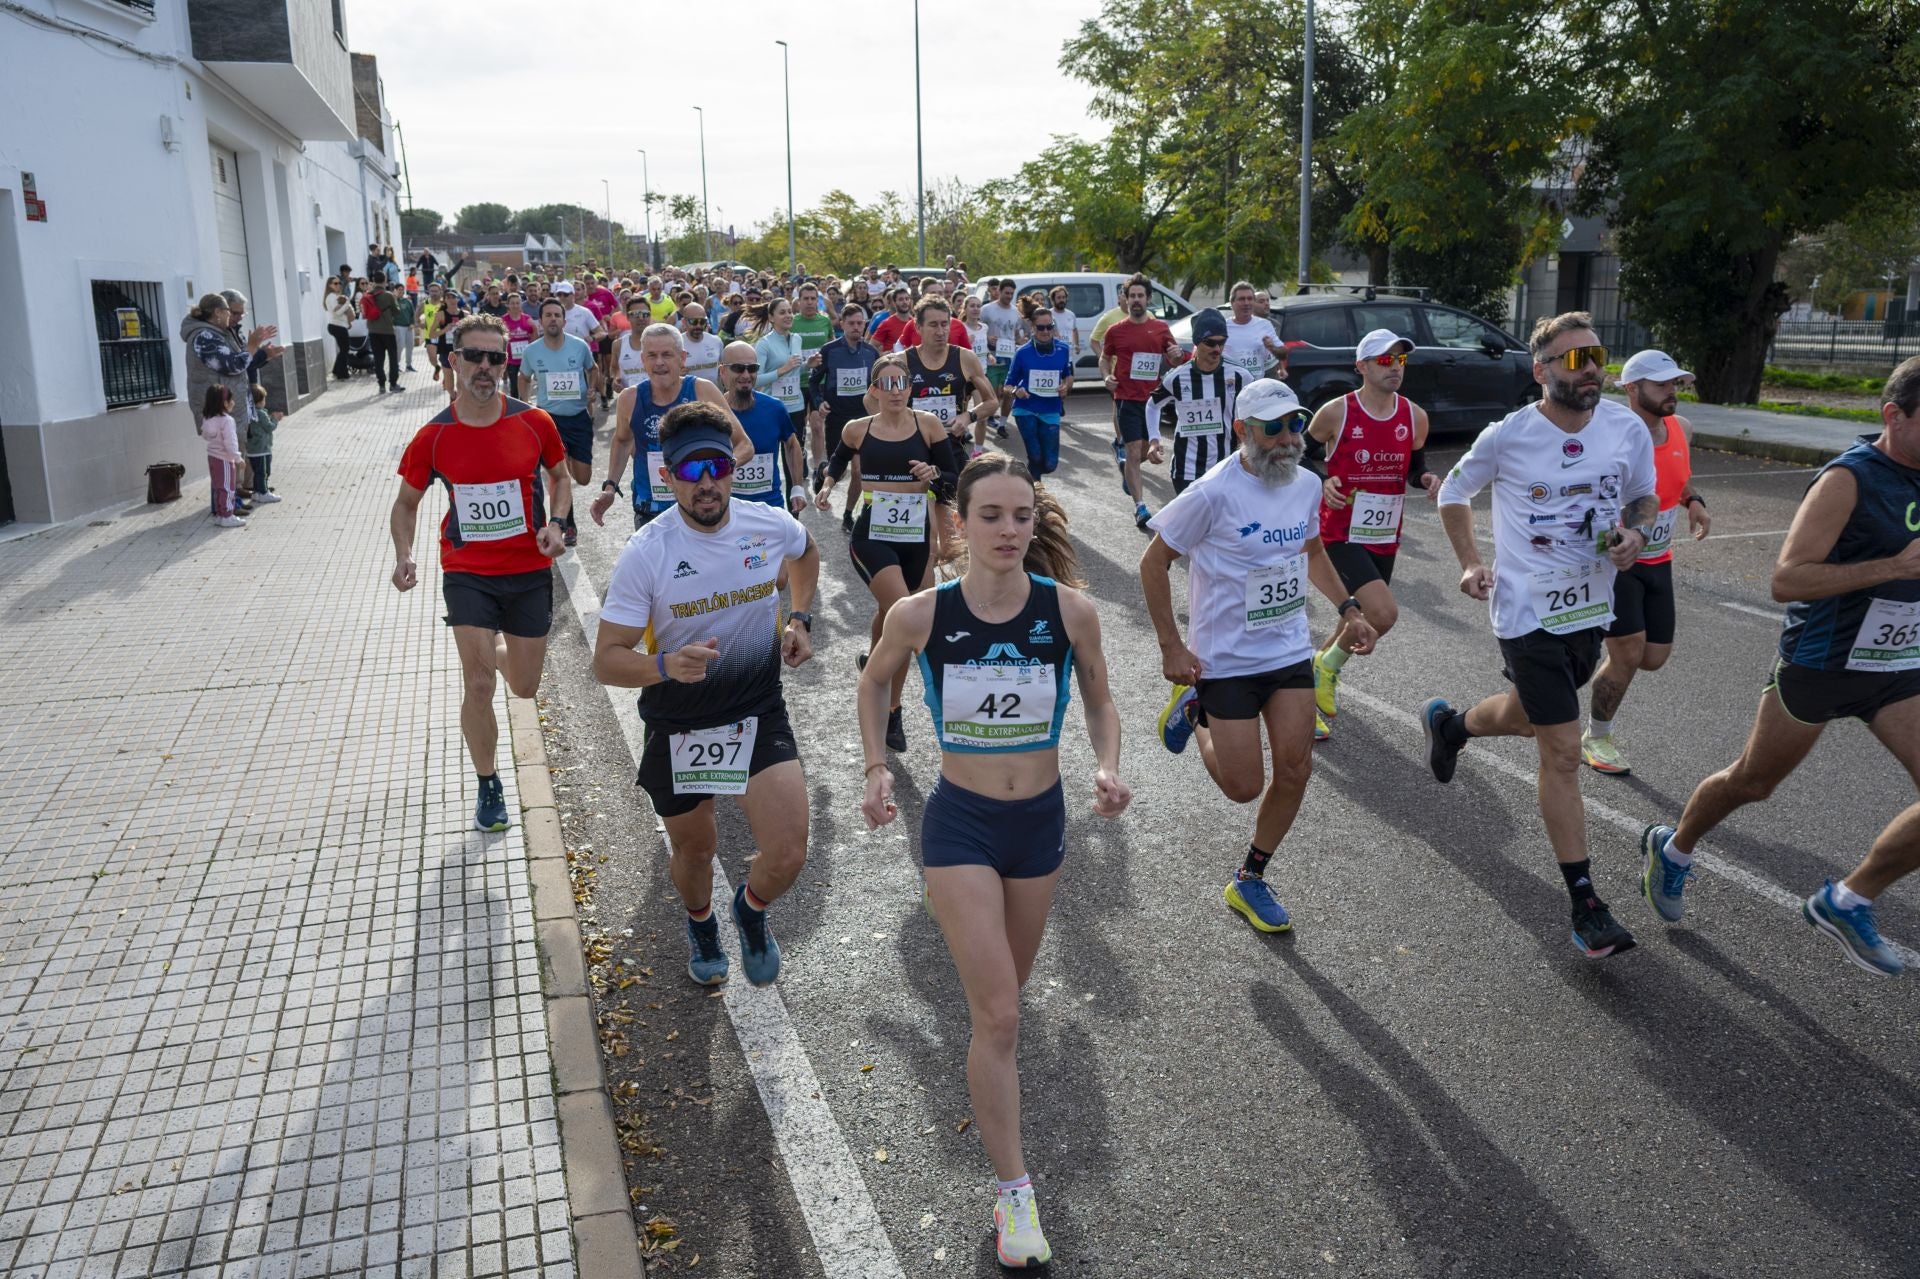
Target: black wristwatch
1348,603
557,522
1692,498
609,484
803,617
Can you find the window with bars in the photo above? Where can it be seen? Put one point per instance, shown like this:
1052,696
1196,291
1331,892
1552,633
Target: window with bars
136,359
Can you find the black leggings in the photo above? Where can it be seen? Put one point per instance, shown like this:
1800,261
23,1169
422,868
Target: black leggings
340,339
871,555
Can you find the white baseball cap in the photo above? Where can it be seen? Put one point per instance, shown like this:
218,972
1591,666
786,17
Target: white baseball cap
1379,342
1266,400
1652,366
563,286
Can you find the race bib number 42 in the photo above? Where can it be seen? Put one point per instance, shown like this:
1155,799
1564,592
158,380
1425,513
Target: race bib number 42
1888,638
713,761
1276,594
997,707
489,512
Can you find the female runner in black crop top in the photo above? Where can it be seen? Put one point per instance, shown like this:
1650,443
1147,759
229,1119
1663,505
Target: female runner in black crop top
903,453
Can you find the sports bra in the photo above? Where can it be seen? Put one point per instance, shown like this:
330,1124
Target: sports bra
886,461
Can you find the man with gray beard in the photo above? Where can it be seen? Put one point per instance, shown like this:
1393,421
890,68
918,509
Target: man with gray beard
1250,530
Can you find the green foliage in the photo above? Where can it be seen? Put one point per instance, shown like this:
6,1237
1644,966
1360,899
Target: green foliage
1868,251
418,222
561,221
1845,382
485,218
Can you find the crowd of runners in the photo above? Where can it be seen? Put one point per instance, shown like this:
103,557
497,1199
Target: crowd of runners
740,400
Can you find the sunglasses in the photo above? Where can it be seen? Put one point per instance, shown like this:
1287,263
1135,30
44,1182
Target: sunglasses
1043,328
891,383
1217,342
699,468
1579,355
1391,359
474,355
1295,421
743,368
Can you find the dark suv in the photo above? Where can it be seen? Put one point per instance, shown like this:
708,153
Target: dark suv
1463,371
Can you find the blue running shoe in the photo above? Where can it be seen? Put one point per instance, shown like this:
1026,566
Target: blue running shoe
1120,460
1855,932
1663,881
1176,718
706,962
490,814
1441,757
759,952
1250,895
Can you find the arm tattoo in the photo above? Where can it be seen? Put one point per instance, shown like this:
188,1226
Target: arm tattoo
1641,511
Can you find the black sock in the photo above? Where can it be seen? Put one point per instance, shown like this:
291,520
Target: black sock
1453,729
1256,863
1579,877
487,779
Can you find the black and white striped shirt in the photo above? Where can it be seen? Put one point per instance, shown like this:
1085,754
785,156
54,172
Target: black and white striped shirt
1201,406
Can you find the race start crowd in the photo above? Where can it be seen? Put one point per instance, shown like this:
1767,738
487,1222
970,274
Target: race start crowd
740,400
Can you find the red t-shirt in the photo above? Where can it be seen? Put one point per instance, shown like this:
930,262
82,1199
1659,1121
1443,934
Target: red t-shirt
892,330
1123,341
492,475
602,302
520,331
957,334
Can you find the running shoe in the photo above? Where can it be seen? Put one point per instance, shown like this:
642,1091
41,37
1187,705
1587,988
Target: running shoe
1855,932
896,731
1140,517
1321,730
1176,718
1250,895
1000,427
1326,690
759,952
265,499
1120,460
491,812
1602,755
1016,1223
1441,757
1595,931
706,962
570,537
1663,881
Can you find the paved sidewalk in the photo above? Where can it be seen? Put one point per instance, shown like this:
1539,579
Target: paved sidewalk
268,1004
1782,437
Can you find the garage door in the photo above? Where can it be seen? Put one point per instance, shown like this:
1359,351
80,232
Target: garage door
230,220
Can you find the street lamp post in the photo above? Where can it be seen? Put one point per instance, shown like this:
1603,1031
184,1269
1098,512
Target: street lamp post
786,81
919,155
608,191
706,223
646,189
1306,151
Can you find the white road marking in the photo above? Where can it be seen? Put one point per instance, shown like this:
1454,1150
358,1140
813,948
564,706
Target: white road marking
846,1230
1724,537
1771,614
1711,863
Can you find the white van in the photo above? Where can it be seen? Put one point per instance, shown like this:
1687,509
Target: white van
1089,296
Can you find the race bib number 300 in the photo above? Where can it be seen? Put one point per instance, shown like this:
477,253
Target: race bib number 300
713,761
997,707
1888,638
1276,594
489,512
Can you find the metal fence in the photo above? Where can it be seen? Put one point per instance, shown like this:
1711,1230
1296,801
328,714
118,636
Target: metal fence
1876,345
136,360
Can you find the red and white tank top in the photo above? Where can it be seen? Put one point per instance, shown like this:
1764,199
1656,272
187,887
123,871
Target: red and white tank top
1370,455
1672,470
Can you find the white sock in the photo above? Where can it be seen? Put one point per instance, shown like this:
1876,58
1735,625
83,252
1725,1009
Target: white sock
1677,857
1846,899
1599,728
1019,1183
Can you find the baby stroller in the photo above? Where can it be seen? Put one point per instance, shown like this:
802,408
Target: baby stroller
360,354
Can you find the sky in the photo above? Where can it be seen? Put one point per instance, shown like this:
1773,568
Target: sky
992,96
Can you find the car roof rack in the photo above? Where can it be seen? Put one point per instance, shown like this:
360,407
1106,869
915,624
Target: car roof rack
1419,292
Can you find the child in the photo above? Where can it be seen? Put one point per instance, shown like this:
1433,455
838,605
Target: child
223,453
260,446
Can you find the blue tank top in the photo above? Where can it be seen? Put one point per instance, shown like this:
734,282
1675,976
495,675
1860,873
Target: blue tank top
997,686
1830,634
645,424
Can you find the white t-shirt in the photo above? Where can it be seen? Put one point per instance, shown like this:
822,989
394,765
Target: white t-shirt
1247,346
632,371
1245,543
1553,494
580,322
703,357
1064,329
1003,322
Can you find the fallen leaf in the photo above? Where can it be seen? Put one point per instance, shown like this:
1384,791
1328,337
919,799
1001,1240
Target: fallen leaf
881,1156
939,1254
926,1219
964,1124
867,1069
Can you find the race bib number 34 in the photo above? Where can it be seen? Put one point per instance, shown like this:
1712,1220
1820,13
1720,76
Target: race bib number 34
1888,638
713,761
997,707
1276,594
489,512
898,517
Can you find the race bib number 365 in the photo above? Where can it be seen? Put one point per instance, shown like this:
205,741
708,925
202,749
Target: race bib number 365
1888,638
713,761
1276,594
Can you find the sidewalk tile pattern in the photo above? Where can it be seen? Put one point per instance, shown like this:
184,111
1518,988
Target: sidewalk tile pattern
268,1005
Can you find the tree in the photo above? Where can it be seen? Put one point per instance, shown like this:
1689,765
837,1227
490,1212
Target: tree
556,220
485,218
1874,247
1733,126
1096,202
415,223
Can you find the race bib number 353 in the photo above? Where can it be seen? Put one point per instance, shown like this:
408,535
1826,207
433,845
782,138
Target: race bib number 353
1276,594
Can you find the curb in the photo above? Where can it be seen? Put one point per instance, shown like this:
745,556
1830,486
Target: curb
605,1244
1771,450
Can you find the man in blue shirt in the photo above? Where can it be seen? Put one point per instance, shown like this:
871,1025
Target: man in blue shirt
776,466
1038,379
558,366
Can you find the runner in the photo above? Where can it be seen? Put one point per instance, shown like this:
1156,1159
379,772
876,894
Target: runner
1002,319
1376,445
1573,496
630,364
785,364
1253,344
1850,571
1250,531
888,329
581,322
521,331
1134,353
1641,637
1039,379
814,327
995,647
945,375
695,625
1065,322
903,452
560,366
701,348
497,540
773,474
636,430
839,385
1200,397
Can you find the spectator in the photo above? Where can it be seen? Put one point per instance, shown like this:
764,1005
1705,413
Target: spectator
404,309
339,316
378,307
236,327
427,265
260,446
376,264
223,451
214,356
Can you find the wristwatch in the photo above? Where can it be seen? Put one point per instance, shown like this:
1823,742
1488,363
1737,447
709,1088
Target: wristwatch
1692,498
803,617
557,522
609,484
1346,604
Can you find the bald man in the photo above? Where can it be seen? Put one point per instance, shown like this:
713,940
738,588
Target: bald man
777,466
702,348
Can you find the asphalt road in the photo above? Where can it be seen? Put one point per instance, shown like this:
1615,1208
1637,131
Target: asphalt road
1424,1078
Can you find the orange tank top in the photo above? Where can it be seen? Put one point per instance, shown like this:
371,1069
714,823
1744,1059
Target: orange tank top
1672,470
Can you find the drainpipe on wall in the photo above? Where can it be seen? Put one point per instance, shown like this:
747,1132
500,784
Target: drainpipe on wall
366,221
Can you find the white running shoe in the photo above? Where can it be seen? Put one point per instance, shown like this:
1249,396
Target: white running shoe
230,521
262,499
1016,1220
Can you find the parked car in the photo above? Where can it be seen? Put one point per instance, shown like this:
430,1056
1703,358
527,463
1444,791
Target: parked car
1463,371
1089,296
